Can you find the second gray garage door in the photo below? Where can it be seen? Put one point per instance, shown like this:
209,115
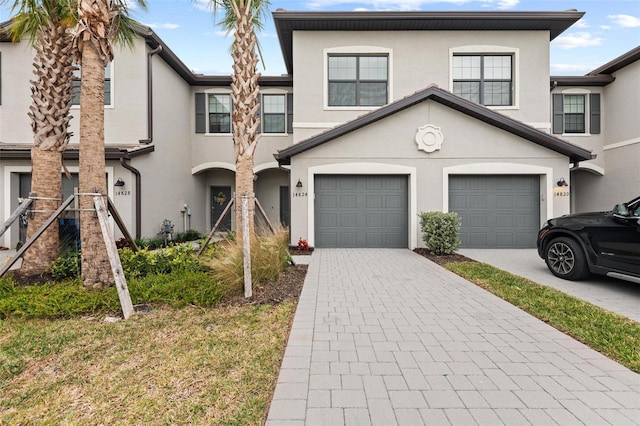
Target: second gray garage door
496,211
361,211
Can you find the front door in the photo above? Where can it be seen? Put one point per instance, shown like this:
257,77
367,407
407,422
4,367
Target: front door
284,206
220,198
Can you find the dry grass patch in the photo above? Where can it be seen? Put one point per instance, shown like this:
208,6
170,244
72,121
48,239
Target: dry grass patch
188,366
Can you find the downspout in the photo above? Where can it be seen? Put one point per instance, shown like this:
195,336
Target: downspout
123,160
150,96
136,172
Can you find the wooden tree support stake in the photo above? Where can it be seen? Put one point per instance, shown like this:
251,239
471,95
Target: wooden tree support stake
35,236
224,213
114,258
246,246
215,227
15,215
120,223
264,215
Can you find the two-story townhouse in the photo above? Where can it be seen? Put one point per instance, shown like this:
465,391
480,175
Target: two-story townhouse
382,115
403,112
169,152
601,112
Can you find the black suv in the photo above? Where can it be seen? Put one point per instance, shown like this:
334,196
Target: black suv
604,243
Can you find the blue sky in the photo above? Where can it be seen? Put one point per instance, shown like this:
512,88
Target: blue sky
608,29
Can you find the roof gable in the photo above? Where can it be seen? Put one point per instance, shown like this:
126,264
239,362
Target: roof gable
434,93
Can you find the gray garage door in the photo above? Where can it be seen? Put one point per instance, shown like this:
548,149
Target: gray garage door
361,211
496,211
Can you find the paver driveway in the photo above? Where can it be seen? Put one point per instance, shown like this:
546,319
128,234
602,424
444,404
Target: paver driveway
386,337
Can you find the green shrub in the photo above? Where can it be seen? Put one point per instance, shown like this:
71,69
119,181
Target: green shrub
66,266
145,262
269,257
134,264
69,299
150,243
176,238
189,235
440,232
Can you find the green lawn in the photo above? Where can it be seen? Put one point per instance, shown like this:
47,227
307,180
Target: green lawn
171,366
613,335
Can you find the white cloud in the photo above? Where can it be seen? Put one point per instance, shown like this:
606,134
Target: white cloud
576,40
507,4
582,23
626,21
219,33
605,27
202,5
570,69
380,5
405,5
166,26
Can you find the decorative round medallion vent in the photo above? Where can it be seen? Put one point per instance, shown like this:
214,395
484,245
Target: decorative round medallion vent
429,138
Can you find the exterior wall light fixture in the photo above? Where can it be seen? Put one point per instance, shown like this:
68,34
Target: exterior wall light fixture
299,184
562,182
119,182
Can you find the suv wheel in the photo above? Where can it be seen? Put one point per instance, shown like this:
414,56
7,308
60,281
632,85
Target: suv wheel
565,259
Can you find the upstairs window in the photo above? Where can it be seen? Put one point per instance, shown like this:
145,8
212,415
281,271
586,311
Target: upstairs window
273,114
77,83
277,113
576,113
219,113
360,80
574,109
484,79
213,113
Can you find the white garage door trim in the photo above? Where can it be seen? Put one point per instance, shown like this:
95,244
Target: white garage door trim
364,169
546,180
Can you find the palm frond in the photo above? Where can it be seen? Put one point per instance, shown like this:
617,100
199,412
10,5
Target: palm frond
32,15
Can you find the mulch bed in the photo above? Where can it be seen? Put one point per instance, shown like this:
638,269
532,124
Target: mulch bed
300,252
286,289
442,259
288,286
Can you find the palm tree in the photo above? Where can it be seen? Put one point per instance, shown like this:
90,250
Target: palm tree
47,25
99,23
242,17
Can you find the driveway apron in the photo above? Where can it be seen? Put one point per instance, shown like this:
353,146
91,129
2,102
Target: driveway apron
386,337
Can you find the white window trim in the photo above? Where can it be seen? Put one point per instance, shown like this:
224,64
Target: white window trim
364,169
8,170
587,111
274,92
488,50
112,104
356,50
546,181
216,91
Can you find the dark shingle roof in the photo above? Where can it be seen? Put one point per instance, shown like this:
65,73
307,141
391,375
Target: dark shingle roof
287,22
574,152
193,79
618,63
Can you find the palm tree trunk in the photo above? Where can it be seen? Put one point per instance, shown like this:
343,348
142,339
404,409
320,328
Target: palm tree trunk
244,186
96,270
51,95
245,91
45,184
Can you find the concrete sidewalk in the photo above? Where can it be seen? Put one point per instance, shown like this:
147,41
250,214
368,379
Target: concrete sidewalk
618,296
386,337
